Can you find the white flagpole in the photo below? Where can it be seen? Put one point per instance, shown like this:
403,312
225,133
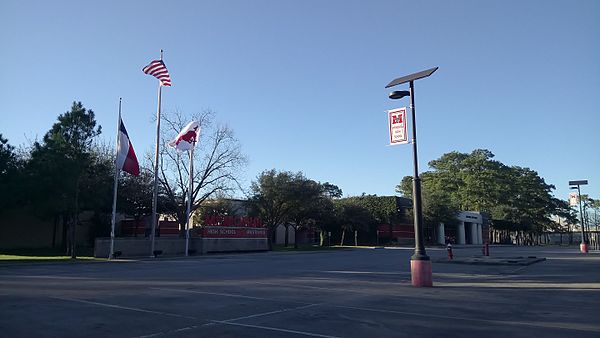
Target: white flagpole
155,193
189,201
115,186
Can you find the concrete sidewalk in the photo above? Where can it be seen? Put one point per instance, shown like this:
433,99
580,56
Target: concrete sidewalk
487,260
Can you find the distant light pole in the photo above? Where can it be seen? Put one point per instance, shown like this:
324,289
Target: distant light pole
420,264
575,185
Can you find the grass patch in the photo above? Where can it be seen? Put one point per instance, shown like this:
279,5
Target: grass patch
43,255
305,247
38,258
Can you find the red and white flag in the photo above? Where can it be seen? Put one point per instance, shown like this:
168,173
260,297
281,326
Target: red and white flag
158,69
187,137
126,159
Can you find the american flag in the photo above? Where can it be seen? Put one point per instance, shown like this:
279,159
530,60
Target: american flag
158,69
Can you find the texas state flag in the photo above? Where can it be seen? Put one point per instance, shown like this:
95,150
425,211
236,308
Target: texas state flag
187,137
126,159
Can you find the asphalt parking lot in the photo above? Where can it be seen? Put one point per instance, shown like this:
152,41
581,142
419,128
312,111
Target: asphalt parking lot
342,293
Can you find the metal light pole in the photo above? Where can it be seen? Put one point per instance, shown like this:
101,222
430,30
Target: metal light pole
420,264
575,184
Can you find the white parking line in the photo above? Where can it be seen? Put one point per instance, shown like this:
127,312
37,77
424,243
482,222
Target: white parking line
566,326
313,287
272,312
363,272
226,295
519,269
123,307
524,284
162,333
232,320
303,333
555,325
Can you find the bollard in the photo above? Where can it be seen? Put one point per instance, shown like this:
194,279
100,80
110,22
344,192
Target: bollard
486,249
449,248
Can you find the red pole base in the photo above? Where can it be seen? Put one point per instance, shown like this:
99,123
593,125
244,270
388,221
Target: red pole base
583,247
420,272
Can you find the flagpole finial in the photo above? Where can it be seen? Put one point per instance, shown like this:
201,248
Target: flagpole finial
161,54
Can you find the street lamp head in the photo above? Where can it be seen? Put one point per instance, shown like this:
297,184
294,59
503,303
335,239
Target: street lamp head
398,94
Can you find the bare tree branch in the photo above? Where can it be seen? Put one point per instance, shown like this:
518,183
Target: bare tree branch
218,161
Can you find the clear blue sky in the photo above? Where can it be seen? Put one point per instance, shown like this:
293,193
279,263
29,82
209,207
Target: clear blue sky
302,82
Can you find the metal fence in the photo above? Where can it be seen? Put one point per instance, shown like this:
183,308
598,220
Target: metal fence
546,238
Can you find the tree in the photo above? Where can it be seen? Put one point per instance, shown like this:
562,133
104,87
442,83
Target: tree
590,211
472,181
353,217
218,161
220,205
593,205
530,203
437,202
10,174
517,198
135,194
323,215
306,199
331,190
272,197
382,210
292,200
325,218
58,165
8,158
96,190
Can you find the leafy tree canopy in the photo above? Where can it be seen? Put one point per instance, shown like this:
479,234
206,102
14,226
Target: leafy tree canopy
62,168
10,175
515,197
383,209
293,200
58,164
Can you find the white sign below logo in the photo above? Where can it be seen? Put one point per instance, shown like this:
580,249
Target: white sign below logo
397,126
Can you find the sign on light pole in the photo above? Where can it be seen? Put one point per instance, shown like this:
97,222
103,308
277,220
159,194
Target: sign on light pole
573,199
397,126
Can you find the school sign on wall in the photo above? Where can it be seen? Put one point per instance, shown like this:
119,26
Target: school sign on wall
217,226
